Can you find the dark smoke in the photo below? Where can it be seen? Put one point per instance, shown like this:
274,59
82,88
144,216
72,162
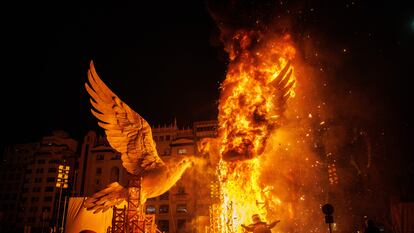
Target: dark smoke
254,16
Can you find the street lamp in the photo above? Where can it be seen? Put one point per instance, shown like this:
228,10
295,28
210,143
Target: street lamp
62,183
328,210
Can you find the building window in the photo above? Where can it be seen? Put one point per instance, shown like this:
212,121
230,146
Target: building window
36,189
181,190
182,151
100,157
54,161
181,208
206,128
41,161
150,209
98,171
98,182
49,189
167,138
164,209
35,199
161,138
166,152
48,199
114,174
181,223
11,207
38,180
51,170
116,157
165,196
155,138
50,179
164,225
39,170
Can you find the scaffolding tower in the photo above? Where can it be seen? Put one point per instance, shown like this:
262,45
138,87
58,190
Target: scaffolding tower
131,218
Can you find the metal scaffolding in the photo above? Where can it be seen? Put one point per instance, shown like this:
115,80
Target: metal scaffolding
131,218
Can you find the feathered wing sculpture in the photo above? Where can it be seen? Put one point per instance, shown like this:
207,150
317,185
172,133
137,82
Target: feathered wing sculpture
283,86
113,194
130,134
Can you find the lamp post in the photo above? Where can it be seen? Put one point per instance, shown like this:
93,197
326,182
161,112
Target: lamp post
62,183
328,210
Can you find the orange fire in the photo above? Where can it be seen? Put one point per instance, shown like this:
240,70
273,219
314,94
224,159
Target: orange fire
254,94
252,107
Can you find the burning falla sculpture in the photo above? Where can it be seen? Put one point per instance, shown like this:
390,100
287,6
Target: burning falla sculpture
130,134
253,101
247,126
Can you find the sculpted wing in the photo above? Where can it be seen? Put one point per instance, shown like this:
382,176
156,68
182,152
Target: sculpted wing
283,86
112,195
127,132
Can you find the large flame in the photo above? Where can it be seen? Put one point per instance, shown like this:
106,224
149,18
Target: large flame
251,114
253,94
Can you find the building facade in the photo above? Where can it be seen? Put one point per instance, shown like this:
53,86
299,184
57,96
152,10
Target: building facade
41,199
30,198
180,209
16,158
99,165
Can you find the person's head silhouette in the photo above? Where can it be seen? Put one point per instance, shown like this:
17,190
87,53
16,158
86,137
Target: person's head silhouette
256,218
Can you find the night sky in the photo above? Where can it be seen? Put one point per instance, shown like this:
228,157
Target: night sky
164,59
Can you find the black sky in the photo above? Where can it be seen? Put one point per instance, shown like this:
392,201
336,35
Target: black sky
162,58
157,57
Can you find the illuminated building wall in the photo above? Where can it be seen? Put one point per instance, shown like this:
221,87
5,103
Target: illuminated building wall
186,202
185,207
40,196
28,178
99,165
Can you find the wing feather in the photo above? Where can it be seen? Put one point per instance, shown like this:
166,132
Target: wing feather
126,131
282,87
112,195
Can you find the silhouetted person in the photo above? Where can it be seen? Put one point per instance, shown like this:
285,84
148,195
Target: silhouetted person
370,227
258,226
